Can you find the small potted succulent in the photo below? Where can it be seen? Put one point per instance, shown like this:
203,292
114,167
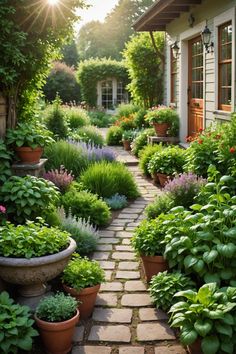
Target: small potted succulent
148,243
163,119
28,140
127,137
32,254
82,279
56,317
166,163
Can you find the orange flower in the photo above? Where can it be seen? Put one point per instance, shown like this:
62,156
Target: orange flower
232,150
200,141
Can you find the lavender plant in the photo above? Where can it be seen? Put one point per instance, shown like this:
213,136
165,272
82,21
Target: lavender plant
95,153
61,178
116,202
183,188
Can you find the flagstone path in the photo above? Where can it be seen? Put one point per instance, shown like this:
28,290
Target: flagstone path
124,320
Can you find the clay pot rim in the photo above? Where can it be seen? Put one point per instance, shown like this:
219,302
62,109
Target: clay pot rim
28,148
153,259
37,261
44,323
84,291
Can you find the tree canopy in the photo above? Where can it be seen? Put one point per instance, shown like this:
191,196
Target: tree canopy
145,67
31,33
108,39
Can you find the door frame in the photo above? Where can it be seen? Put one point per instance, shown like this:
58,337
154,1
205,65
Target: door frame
183,85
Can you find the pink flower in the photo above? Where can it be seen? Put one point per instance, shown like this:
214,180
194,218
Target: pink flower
2,209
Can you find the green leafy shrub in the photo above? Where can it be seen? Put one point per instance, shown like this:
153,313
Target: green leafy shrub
68,155
82,273
126,109
141,140
28,197
168,161
56,308
77,117
90,134
62,80
163,114
129,135
55,120
82,231
16,326
145,156
5,165
139,119
148,238
114,136
87,206
162,204
116,201
29,134
101,119
106,179
208,314
31,240
163,287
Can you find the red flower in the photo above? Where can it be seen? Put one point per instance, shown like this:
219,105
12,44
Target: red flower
232,150
200,130
200,141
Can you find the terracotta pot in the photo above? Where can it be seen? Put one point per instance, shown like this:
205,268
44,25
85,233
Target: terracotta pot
153,265
195,348
87,297
126,144
161,128
57,336
32,273
28,155
163,178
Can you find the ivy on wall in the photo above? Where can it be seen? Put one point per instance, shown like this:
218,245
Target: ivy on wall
91,71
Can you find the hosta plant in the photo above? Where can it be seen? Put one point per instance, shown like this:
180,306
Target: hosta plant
28,197
208,314
82,273
16,326
163,287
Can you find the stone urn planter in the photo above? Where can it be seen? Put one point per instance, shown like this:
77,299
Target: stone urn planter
153,265
29,156
31,274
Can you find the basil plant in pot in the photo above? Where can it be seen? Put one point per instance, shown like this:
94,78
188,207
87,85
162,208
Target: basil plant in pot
32,254
148,243
56,317
163,119
82,279
28,141
206,319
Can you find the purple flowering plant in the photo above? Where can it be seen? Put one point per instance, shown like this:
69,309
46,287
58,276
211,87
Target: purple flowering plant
183,188
95,153
61,178
3,214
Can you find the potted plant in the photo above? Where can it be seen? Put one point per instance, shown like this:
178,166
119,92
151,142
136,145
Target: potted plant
32,254
16,329
166,163
56,317
148,243
28,140
127,137
82,279
206,319
163,119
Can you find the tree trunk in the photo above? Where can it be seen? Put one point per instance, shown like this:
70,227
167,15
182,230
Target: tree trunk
11,117
3,115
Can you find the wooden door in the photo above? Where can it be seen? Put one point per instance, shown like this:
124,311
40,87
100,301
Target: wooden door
195,86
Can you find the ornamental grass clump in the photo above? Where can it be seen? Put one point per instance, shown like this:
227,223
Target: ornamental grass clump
88,134
163,287
61,178
114,136
106,179
183,189
77,117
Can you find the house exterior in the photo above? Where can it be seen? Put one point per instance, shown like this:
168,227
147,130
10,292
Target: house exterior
110,93
199,78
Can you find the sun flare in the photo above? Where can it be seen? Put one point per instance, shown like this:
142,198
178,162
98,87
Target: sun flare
53,2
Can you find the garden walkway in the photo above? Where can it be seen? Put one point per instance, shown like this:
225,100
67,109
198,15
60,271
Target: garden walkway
124,320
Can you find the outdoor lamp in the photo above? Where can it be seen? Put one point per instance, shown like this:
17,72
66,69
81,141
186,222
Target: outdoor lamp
206,39
175,50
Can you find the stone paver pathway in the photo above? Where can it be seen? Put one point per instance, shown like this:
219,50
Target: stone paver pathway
124,320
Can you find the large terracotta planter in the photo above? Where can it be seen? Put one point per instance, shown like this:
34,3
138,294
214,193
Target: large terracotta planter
161,128
153,265
127,145
163,178
195,348
28,155
31,274
87,297
57,336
